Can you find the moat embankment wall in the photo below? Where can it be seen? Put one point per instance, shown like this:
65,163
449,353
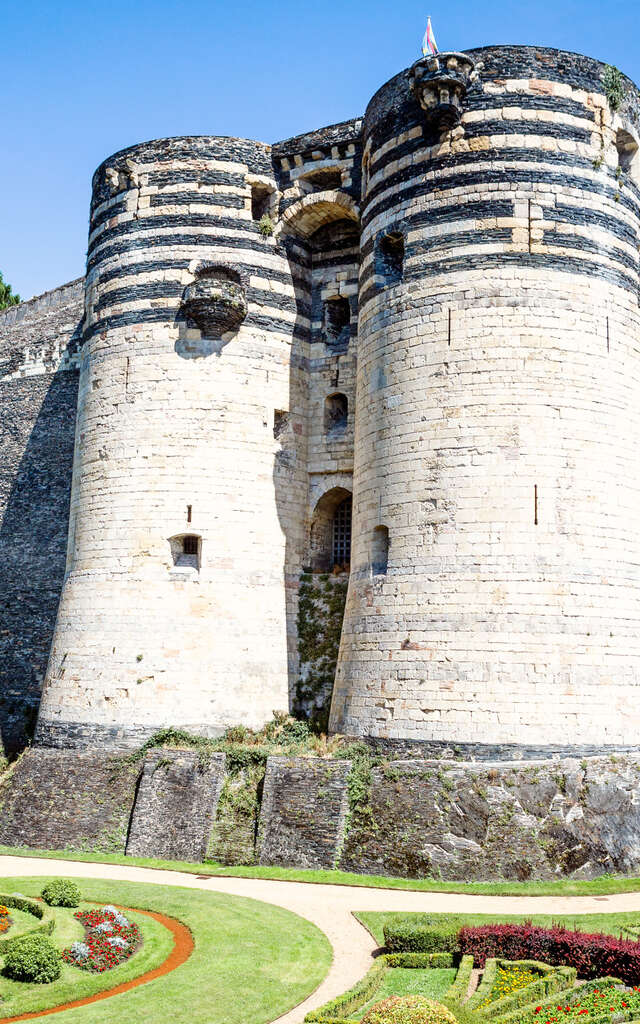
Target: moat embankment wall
461,821
38,391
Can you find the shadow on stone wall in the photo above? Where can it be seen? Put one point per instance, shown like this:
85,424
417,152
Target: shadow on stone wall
37,429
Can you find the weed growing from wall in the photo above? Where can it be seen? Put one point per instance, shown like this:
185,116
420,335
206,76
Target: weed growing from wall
613,87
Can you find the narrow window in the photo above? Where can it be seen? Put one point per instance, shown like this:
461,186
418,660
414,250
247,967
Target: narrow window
189,510
186,552
260,201
190,545
627,151
366,170
390,261
380,551
342,534
280,421
336,414
337,320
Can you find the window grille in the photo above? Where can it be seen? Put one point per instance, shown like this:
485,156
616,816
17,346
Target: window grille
190,545
342,533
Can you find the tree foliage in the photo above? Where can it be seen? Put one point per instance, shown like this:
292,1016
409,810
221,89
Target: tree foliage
7,298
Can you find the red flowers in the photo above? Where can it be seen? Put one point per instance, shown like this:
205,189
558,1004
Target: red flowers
109,940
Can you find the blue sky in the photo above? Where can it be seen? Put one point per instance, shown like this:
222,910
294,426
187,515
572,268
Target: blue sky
81,80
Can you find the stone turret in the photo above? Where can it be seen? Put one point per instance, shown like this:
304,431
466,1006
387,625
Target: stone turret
174,605
494,599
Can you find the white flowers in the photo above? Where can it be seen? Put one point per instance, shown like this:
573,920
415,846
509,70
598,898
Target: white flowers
80,951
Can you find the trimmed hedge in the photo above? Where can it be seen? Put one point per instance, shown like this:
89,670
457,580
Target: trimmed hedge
34,959
339,1008
428,936
61,892
592,955
486,984
40,912
421,960
458,990
408,1010
329,1020
24,903
356,997
552,981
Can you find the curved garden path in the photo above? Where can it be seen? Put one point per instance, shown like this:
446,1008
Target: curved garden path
330,907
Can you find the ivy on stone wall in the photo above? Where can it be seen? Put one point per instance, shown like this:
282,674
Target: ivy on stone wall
320,614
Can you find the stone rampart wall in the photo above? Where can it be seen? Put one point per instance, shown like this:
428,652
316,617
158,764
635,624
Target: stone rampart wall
176,805
303,813
557,818
39,343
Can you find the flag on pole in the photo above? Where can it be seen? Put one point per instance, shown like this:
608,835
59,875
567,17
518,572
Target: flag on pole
429,44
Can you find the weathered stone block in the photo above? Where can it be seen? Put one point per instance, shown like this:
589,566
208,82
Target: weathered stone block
64,799
176,805
304,808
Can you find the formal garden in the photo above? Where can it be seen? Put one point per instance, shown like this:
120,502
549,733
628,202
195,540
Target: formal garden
443,969
114,952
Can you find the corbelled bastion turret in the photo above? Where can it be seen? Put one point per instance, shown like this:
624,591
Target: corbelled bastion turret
488,439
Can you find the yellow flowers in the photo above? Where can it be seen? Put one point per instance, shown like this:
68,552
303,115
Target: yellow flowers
508,980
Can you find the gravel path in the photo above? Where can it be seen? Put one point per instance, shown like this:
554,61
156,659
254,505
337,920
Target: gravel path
330,907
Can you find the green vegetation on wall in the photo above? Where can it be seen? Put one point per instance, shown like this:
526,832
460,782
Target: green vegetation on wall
234,833
320,613
613,86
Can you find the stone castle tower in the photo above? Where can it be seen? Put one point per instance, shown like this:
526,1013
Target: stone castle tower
432,313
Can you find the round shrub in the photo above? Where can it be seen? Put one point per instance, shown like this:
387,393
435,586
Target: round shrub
34,958
61,893
408,1010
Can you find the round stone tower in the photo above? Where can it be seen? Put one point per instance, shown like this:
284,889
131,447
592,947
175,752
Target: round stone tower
174,611
494,600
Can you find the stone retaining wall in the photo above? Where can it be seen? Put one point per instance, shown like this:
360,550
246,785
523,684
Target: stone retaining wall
459,821
62,799
303,813
176,805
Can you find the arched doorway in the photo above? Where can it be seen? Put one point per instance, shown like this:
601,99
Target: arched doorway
330,542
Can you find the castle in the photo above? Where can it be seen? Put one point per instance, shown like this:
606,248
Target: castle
407,345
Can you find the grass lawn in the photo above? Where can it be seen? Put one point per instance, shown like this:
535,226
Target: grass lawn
22,923
605,886
74,983
374,921
402,981
251,961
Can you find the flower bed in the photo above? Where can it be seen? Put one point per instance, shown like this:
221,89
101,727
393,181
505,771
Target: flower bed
110,939
601,1005
593,956
5,920
509,978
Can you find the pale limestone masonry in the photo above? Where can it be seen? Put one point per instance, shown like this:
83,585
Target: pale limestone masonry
498,417
435,310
